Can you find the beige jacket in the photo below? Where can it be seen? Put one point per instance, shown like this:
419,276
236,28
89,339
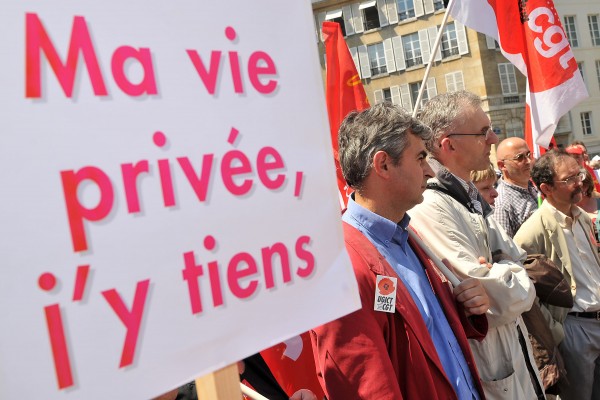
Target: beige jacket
460,236
542,234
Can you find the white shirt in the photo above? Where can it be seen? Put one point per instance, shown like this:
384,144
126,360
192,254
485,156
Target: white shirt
586,270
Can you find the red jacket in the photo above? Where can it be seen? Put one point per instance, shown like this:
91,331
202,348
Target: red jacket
377,355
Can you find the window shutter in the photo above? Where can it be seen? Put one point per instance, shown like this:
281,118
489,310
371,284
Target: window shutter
490,42
419,10
459,81
395,91
431,88
424,42
405,97
432,31
389,55
357,18
383,13
320,19
512,79
450,84
378,96
365,65
461,35
428,6
354,54
398,53
503,78
348,21
392,10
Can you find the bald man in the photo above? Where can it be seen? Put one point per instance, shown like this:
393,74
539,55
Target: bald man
517,197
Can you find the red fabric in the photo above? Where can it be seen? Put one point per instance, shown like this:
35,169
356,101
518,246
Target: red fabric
292,365
532,38
384,356
594,177
345,92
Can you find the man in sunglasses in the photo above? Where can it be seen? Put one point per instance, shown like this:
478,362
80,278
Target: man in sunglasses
457,225
517,197
560,230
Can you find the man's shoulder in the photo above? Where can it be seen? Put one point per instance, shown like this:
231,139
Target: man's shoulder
537,223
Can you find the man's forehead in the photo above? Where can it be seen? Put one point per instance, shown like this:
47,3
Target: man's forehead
473,117
566,166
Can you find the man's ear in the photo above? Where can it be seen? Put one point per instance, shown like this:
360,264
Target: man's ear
546,189
381,163
500,165
446,144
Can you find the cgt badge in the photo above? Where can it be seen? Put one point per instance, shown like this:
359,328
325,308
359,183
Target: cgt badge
385,294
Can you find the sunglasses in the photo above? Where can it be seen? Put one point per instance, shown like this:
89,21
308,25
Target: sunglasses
519,157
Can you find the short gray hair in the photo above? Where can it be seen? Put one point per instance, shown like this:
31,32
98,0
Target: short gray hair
444,110
383,127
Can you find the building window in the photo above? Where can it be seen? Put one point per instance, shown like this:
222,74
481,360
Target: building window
508,79
571,31
449,41
438,4
336,16
370,15
406,9
455,81
586,123
377,59
514,128
412,50
387,95
594,29
414,93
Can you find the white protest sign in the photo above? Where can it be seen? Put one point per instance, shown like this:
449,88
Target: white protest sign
168,201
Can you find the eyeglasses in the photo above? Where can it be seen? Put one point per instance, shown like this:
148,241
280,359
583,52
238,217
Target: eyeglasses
520,157
573,179
486,134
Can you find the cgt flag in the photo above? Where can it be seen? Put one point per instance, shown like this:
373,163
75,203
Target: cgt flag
532,38
345,91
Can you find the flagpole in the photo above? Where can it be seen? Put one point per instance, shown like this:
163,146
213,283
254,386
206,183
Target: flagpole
438,263
436,45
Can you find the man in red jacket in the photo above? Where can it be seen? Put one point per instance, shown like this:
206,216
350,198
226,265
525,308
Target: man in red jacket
409,339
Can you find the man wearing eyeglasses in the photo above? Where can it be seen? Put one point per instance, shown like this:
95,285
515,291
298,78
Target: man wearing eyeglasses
562,231
517,197
457,225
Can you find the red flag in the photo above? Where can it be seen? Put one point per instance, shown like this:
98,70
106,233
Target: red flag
293,365
531,37
345,91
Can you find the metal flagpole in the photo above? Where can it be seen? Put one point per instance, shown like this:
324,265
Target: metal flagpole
436,45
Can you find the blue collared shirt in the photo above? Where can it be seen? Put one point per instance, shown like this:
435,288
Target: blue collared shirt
391,240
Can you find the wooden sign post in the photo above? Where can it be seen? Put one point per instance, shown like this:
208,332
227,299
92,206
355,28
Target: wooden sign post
222,384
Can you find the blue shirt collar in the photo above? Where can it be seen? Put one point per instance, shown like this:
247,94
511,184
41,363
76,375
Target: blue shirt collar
379,227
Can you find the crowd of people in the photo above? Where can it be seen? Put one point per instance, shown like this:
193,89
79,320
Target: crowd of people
523,322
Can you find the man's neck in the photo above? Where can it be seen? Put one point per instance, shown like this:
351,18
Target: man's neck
455,168
565,209
384,210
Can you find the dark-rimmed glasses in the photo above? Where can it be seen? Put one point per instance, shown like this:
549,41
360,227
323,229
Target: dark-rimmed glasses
519,157
573,179
486,134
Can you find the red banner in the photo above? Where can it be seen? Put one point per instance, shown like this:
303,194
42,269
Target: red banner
345,92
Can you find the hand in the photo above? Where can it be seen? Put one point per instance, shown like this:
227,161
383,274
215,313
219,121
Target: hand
303,394
473,297
484,263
